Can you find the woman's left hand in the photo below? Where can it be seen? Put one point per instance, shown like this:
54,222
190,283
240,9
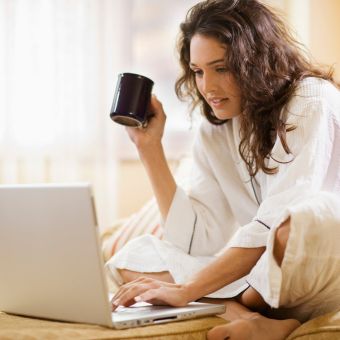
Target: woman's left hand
152,291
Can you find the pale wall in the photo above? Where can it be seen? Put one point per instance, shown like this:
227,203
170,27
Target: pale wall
325,32
133,186
317,25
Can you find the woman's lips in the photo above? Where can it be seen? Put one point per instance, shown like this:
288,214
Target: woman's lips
217,102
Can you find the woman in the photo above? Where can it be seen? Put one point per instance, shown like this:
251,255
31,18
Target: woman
264,153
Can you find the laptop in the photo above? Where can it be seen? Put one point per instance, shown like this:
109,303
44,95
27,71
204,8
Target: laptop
51,264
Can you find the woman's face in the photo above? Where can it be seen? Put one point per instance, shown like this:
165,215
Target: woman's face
213,80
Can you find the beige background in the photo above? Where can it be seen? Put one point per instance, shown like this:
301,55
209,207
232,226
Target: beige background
325,32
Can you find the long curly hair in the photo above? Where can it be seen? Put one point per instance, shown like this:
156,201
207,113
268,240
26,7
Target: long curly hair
266,62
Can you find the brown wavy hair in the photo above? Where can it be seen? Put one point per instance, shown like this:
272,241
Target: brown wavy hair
266,62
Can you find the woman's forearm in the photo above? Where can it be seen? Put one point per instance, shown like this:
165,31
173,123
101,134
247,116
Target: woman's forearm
148,142
160,176
233,264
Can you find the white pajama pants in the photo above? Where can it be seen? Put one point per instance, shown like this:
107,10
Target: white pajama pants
306,285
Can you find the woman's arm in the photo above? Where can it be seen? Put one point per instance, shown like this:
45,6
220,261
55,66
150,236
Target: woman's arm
233,264
160,176
149,145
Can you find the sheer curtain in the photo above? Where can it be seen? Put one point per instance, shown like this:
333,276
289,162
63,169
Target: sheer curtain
58,66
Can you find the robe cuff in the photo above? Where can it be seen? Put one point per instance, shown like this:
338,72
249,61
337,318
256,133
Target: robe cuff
180,222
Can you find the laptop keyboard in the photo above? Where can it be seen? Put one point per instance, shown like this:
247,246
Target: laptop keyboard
136,308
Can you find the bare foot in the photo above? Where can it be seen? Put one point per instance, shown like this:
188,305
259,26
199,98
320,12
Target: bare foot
256,327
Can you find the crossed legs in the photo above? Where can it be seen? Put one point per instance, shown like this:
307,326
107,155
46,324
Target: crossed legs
246,322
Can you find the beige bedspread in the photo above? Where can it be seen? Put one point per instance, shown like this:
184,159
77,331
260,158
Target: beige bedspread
22,328
12,327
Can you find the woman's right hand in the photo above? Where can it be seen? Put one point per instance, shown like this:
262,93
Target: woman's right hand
147,138
152,291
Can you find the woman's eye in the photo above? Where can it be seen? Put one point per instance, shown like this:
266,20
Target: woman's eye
221,70
197,72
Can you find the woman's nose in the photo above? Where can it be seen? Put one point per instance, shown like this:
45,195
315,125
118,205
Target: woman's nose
208,84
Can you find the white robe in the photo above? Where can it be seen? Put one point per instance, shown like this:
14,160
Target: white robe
224,208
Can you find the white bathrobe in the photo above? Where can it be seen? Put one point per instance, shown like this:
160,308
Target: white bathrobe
225,208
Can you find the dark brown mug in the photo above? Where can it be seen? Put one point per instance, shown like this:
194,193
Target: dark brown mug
131,100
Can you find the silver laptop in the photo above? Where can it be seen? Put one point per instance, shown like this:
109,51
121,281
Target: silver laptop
51,265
